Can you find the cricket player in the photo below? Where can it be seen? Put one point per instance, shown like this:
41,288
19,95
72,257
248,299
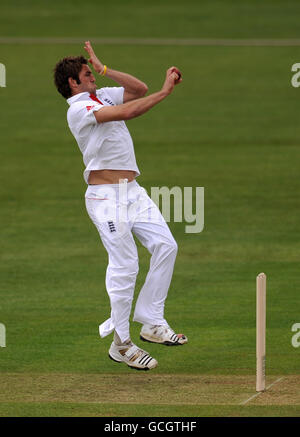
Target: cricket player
118,206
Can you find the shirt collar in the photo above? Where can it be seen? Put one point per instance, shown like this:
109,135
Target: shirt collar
80,96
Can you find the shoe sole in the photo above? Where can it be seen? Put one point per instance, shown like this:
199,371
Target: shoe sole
131,367
166,343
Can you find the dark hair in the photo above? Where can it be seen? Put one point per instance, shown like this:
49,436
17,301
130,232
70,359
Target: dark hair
65,68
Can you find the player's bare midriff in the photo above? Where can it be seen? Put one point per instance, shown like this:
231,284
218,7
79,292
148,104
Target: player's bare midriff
99,177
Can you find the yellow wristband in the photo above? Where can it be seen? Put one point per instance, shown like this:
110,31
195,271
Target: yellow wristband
103,72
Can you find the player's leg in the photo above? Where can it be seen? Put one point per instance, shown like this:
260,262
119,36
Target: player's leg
153,232
121,275
122,266
157,238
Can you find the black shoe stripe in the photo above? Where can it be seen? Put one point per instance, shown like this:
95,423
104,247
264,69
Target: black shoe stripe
148,361
143,359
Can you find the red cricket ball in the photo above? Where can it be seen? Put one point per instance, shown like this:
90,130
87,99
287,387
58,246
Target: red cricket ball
175,70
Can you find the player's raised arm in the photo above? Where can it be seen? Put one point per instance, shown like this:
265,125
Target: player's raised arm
137,107
133,87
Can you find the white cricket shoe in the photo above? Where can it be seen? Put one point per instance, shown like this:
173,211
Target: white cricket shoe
162,334
133,356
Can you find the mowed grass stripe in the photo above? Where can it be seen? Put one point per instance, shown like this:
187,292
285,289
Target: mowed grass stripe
145,389
248,42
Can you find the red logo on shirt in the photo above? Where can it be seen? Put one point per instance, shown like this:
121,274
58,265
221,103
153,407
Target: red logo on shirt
90,107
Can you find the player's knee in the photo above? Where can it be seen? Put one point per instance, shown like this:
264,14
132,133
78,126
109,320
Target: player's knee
168,248
133,267
127,268
130,267
174,247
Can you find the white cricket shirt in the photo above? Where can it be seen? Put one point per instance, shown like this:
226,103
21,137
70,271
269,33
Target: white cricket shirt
103,145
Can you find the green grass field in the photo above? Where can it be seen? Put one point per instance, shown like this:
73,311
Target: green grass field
232,127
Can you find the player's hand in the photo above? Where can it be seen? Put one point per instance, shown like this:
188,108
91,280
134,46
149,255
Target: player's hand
96,63
178,72
173,77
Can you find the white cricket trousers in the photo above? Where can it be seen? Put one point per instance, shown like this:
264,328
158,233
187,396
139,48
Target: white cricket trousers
119,211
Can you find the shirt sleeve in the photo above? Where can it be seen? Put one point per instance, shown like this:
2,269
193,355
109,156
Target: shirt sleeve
115,93
81,117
